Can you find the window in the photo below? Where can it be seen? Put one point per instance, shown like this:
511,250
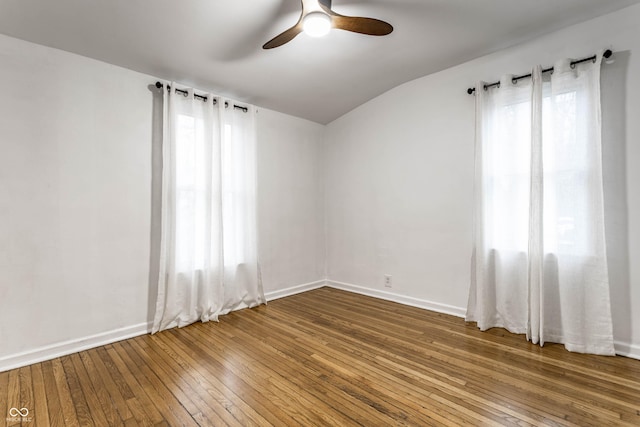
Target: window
192,198
567,229
566,175
507,184
215,189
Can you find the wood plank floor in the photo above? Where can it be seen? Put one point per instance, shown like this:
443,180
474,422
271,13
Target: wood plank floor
326,358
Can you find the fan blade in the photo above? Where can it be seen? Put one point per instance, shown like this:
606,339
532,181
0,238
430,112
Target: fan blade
291,33
284,37
356,24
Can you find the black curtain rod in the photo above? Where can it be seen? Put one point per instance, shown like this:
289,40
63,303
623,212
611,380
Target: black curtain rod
159,85
607,54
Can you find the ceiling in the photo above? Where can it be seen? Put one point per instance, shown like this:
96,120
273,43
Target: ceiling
216,45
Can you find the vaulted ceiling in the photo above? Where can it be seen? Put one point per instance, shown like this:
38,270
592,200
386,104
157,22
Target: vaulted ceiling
216,45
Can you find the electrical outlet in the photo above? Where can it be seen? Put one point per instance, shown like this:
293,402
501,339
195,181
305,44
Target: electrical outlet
387,280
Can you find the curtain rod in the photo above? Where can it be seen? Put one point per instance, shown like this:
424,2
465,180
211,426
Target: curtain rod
159,85
607,54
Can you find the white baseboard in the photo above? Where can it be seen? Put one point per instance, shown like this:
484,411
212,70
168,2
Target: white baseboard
281,293
627,350
622,349
64,348
401,299
71,346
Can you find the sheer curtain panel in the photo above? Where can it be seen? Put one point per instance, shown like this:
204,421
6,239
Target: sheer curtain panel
208,255
539,263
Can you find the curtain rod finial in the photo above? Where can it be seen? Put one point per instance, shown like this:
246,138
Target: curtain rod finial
607,53
159,85
471,90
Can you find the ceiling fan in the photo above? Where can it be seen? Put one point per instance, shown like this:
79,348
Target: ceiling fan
317,18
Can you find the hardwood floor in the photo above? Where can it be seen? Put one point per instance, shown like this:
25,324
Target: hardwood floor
326,357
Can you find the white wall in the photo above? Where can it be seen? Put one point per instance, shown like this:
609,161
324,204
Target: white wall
399,177
79,192
291,203
75,172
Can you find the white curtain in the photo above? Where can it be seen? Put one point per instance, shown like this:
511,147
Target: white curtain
539,262
208,255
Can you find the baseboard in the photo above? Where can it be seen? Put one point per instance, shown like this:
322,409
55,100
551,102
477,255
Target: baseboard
401,299
622,349
627,350
281,293
72,346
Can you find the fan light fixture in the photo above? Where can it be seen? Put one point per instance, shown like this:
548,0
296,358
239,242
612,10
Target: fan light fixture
317,19
317,24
